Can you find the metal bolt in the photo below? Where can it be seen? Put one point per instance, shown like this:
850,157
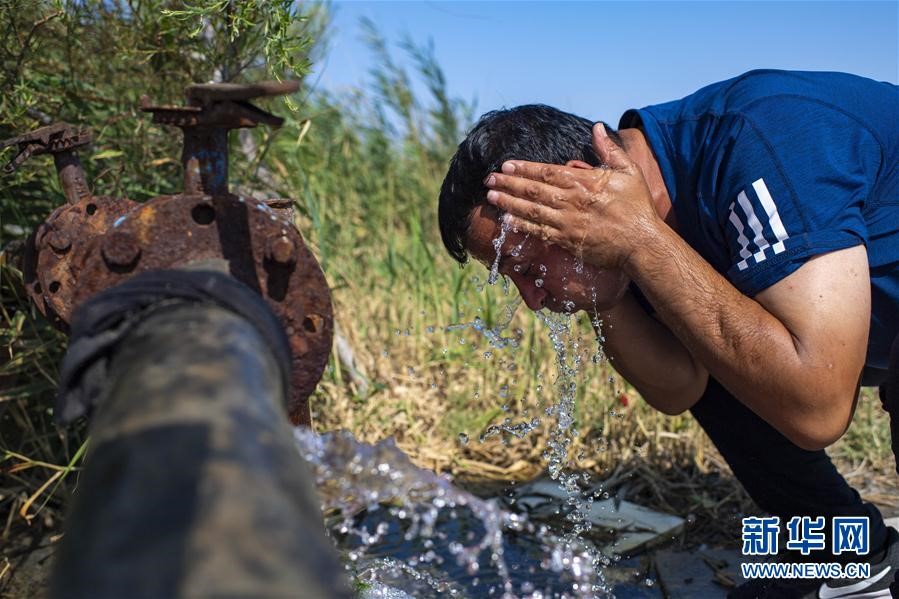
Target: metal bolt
281,249
59,241
120,249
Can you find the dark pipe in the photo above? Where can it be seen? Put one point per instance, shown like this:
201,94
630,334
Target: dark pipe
193,485
71,175
205,160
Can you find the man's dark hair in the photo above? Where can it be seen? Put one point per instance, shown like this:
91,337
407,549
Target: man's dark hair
534,132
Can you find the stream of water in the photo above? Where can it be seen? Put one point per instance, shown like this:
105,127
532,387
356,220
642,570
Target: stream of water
406,531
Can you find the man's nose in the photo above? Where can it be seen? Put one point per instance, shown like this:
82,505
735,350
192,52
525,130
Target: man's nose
533,296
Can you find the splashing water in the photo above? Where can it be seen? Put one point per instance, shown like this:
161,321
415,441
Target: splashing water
375,495
569,360
493,335
504,229
569,349
571,553
376,574
352,477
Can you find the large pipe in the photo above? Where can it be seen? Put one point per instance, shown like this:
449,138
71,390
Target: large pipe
193,485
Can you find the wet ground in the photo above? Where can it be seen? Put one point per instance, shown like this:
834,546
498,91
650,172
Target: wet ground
701,571
667,570
529,566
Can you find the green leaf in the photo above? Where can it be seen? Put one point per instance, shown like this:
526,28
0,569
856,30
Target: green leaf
106,154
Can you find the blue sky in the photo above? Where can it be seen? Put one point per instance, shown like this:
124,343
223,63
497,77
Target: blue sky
597,59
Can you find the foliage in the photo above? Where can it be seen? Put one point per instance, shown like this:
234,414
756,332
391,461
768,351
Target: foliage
88,62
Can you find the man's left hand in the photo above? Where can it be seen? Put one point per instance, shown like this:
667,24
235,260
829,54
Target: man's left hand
600,214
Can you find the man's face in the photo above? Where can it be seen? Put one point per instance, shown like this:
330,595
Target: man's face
545,274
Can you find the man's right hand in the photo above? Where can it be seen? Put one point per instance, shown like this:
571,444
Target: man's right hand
601,215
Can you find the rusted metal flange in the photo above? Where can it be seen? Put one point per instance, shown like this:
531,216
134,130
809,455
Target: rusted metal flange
56,252
262,249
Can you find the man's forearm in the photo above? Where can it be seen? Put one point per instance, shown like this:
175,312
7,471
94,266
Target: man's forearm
738,341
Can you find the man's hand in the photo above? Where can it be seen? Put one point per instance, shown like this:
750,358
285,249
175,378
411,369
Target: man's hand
596,214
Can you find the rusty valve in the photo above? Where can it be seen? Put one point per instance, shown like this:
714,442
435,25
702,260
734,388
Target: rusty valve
212,110
59,139
94,243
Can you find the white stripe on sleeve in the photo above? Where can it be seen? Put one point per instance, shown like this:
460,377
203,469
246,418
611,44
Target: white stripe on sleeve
756,227
773,217
741,238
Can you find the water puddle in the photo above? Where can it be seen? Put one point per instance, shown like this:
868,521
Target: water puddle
403,528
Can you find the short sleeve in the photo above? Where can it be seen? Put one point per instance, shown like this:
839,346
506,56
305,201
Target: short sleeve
787,193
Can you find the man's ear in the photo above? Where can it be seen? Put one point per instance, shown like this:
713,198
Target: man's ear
578,164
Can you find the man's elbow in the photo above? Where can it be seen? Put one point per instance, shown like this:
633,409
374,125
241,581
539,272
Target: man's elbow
820,425
666,406
676,402
813,439
675,406
678,392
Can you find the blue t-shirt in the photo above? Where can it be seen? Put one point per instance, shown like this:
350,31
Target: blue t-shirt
771,168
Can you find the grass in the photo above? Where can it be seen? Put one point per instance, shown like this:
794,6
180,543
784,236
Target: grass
365,171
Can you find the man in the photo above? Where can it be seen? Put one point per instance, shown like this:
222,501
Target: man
742,248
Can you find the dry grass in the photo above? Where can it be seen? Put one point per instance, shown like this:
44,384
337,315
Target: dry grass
424,400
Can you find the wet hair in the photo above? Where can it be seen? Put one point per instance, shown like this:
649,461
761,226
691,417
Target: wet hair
533,132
